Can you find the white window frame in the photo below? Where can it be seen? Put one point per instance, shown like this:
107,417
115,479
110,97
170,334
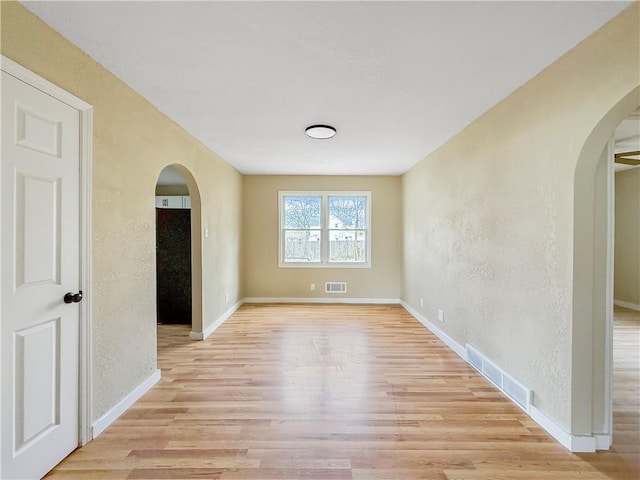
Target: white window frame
324,229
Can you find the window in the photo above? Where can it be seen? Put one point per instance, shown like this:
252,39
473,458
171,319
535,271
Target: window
325,229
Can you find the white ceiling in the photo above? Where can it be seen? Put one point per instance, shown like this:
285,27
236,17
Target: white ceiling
397,79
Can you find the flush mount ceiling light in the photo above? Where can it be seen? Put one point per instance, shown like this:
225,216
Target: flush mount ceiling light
321,132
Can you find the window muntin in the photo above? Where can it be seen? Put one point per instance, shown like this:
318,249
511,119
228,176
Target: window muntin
325,229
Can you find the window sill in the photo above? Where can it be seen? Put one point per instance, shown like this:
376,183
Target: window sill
324,265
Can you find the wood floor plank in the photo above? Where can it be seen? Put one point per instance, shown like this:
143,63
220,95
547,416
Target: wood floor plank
342,392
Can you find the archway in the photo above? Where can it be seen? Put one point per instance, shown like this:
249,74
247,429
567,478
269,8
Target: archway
176,185
592,323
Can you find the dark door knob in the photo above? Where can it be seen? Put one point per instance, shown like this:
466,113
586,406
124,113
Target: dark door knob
73,297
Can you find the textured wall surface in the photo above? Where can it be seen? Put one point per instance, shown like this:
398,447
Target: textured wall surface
263,278
488,219
133,142
627,252
169,190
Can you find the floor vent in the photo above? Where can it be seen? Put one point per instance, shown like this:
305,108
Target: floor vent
335,287
520,395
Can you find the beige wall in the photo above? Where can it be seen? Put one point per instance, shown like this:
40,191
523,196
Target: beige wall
489,223
263,278
133,142
627,250
162,190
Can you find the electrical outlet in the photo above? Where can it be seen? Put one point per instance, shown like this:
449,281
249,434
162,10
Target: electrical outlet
312,287
422,302
441,315
226,297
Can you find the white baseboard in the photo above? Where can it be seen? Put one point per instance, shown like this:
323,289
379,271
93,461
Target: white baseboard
108,418
321,300
574,443
219,321
632,306
603,442
552,428
451,343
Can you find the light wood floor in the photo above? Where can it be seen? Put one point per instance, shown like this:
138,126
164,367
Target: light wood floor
336,392
626,385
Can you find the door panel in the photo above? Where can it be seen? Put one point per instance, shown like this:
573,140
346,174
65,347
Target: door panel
37,232
37,132
36,391
39,344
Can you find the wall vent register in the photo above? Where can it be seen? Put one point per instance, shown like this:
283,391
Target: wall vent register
521,395
335,287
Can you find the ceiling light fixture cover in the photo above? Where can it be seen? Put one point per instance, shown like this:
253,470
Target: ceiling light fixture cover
320,132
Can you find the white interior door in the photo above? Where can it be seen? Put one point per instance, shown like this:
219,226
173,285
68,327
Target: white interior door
39,344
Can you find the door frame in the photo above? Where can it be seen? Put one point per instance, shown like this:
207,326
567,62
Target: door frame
592,352
85,112
610,258
604,439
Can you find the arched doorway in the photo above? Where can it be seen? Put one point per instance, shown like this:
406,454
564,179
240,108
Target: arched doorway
592,319
178,248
